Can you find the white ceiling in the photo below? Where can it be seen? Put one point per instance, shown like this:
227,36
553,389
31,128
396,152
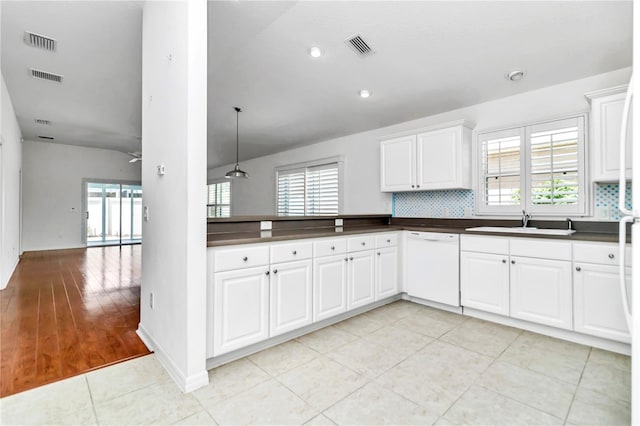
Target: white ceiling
430,57
99,54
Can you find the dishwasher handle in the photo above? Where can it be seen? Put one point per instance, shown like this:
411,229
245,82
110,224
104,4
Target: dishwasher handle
432,236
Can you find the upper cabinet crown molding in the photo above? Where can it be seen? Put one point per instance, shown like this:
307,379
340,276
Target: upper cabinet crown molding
464,123
438,157
606,92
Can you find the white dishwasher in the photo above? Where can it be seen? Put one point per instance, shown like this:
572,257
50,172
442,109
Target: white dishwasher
433,267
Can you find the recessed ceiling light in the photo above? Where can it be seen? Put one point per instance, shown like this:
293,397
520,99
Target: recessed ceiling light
515,75
364,93
315,52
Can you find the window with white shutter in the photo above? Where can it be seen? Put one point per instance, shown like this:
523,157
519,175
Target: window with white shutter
219,199
538,168
308,191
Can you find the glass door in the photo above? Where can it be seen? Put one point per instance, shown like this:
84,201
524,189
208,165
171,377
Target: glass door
114,214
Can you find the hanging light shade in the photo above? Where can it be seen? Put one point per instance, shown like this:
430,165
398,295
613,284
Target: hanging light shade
236,172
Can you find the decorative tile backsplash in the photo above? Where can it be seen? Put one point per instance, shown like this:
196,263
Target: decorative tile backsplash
460,203
606,201
446,203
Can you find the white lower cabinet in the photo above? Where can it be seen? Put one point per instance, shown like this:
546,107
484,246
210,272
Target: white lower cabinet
541,291
329,286
484,282
241,308
598,307
290,296
361,279
386,272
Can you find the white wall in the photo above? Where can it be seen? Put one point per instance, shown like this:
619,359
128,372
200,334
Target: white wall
10,164
361,154
52,190
174,109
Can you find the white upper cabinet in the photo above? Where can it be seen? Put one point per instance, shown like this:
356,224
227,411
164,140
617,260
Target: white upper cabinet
436,158
398,164
606,125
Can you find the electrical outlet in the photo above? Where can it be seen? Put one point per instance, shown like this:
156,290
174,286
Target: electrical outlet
266,225
339,222
468,212
445,212
151,300
145,215
603,213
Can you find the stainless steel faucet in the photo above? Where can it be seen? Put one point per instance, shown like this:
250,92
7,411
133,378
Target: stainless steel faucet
525,218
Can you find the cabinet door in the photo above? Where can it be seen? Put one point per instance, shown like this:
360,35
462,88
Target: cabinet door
598,306
484,282
541,291
607,124
290,296
241,308
360,284
398,164
329,286
386,272
439,159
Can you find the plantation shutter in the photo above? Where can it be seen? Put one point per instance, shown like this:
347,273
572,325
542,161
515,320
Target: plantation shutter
322,190
554,163
219,199
306,191
291,192
501,174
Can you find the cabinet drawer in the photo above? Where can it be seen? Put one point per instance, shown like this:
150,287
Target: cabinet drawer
495,245
329,247
241,257
365,242
600,253
386,240
541,248
298,250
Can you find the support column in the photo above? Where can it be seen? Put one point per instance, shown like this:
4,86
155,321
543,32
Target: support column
174,133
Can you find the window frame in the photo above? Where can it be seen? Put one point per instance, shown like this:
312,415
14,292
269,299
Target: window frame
525,131
217,181
339,160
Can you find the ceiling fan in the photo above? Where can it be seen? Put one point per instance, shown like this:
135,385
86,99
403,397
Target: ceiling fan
137,156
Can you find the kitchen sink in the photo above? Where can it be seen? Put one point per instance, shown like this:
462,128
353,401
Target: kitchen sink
521,230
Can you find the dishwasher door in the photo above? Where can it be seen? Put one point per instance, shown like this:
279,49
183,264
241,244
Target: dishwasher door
433,267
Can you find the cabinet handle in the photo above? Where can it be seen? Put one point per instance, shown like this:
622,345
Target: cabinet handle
504,260
275,271
346,259
351,258
363,243
333,247
245,258
294,252
413,186
378,253
611,256
418,186
513,262
389,241
578,268
266,273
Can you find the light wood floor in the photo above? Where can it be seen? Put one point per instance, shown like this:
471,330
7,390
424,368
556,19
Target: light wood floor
66,312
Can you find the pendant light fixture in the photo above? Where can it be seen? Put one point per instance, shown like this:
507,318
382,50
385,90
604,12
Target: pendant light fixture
236,172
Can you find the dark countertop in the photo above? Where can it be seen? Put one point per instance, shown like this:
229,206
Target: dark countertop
233,238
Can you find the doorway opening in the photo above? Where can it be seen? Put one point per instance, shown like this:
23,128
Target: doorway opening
113,214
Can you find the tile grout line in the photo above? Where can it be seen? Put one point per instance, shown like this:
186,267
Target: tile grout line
93,404
575,392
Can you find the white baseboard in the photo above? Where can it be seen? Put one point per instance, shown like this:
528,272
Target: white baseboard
12,269
186,383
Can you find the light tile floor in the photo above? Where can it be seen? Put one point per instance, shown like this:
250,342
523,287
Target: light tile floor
399,364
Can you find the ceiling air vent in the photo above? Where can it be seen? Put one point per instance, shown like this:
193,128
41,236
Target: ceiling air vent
359,45
41,121
40,41
43,75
